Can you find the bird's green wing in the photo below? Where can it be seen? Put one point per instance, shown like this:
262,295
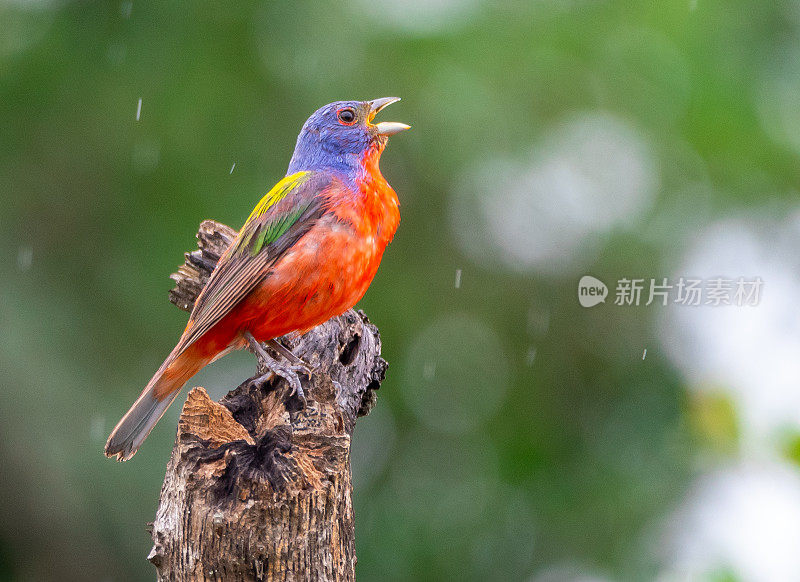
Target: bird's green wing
283,215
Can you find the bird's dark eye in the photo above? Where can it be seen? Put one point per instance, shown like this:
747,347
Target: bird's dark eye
346,116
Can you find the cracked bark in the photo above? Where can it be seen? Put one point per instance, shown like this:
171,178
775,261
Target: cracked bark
257,488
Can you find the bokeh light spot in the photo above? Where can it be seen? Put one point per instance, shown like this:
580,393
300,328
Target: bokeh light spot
371,445
590,175
745,520
456,373
420,17
750,352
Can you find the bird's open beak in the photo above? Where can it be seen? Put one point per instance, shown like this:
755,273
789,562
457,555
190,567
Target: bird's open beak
385,127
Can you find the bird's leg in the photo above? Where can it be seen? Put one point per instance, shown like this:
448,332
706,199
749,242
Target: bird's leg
287,372
289,355
256,347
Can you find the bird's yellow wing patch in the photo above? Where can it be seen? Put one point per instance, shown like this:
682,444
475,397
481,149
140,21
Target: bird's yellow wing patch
278,193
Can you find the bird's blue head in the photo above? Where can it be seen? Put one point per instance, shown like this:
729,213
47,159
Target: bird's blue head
338,136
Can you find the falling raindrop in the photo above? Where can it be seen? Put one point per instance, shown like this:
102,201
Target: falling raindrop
97,429
24,258
429,371
139,109
644,354
458,278
232,167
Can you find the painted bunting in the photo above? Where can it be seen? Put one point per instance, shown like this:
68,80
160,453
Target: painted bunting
307,253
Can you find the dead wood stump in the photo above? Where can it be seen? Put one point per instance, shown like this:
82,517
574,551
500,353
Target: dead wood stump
257,487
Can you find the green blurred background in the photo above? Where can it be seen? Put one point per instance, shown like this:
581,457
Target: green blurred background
518,435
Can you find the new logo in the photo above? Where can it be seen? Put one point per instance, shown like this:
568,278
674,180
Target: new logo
591,291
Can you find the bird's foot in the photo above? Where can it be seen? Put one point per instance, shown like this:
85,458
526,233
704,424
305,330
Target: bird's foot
289,355
288,372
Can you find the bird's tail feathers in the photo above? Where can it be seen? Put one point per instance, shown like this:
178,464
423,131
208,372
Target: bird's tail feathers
163,388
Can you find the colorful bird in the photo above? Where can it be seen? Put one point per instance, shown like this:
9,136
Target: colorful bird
307,253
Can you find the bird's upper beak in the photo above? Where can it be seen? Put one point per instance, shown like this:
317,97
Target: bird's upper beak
385,127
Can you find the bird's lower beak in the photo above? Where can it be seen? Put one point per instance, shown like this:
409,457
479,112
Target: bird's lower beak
385,127
390,127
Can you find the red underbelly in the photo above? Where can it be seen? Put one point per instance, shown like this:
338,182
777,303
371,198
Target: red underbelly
322,276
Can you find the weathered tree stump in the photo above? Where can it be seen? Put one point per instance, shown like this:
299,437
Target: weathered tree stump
259,488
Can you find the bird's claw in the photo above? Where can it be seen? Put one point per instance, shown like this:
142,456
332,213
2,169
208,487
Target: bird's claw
291,357
259,381
288,372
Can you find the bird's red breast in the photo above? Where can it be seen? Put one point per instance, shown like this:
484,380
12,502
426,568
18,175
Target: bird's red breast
330,268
